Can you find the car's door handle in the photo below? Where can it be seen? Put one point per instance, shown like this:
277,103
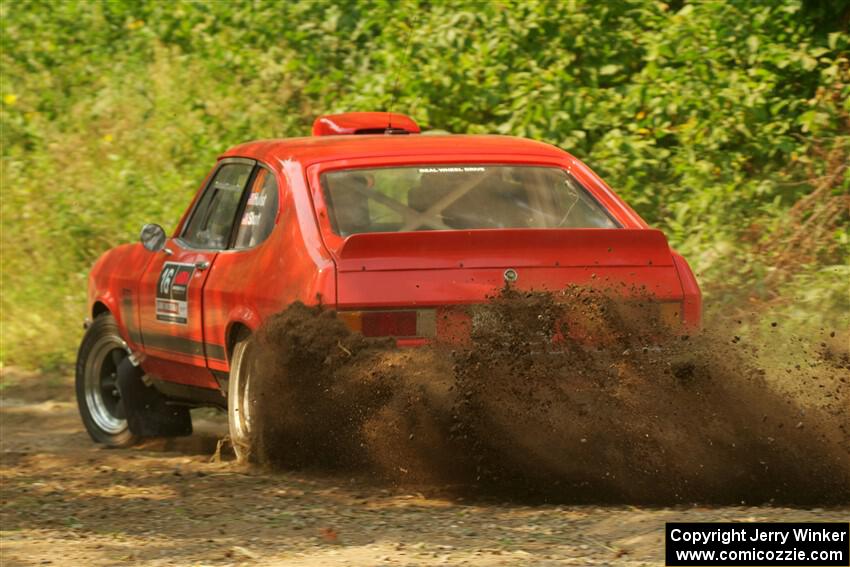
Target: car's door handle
201,266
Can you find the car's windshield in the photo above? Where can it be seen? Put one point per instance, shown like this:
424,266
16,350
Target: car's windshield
455,197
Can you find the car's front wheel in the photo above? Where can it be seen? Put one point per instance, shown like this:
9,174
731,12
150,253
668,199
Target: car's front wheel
239,401
98,398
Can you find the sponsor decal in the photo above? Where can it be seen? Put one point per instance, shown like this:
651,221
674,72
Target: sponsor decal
251,219
465,169
257,200
172,293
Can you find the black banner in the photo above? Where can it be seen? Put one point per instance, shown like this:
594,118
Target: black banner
729,543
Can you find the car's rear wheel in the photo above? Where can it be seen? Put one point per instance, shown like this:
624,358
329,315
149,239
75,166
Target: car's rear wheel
98,398
239,400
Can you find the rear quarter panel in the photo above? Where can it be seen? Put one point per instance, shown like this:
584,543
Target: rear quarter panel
247,286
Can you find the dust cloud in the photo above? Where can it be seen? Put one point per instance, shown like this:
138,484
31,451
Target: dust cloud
531,408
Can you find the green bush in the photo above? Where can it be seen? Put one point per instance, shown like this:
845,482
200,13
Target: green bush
710,118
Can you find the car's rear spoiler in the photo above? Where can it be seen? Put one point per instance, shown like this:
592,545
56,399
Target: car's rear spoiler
445,249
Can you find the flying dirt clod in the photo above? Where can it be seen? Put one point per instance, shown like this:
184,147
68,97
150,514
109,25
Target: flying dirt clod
562,397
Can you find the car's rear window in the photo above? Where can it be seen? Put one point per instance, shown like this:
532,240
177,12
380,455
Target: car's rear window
456,197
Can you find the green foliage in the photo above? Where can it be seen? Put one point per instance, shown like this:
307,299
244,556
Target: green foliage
707,117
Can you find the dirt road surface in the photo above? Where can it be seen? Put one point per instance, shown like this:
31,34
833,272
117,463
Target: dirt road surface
66,501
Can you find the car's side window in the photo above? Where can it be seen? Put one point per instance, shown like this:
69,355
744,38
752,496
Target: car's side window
212,220
260,211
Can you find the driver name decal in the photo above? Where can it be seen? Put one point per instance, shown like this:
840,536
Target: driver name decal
172,293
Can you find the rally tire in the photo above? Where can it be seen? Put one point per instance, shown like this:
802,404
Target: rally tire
101,407
239,401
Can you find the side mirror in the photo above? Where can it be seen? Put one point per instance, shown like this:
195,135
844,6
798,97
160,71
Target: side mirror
153,237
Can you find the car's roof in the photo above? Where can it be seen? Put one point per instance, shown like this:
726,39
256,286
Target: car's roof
316,149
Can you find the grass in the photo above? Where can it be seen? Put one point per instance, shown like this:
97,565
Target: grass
112,113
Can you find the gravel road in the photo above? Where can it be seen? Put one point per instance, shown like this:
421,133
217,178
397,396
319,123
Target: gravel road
66,501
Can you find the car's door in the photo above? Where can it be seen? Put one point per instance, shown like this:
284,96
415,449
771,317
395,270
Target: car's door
247,280
171,311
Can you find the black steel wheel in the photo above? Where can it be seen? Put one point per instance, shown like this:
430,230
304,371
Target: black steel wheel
98,397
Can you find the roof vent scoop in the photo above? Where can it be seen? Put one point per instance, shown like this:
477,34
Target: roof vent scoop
352,123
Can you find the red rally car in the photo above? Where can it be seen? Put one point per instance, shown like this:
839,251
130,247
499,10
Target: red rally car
368,216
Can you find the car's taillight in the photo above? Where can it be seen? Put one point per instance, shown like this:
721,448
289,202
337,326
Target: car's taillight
392,323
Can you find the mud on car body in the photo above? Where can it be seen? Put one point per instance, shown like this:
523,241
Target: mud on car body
392,228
